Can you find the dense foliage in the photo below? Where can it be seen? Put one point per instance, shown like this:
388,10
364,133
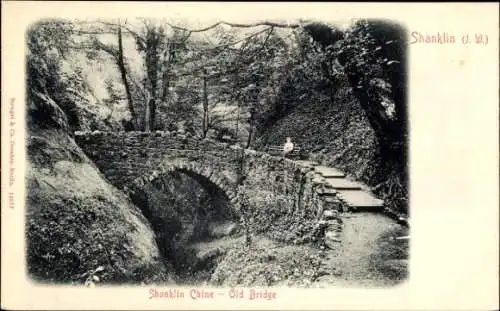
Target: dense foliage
234,82
340,93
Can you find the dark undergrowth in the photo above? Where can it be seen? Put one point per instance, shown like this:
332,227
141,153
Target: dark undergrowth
338,134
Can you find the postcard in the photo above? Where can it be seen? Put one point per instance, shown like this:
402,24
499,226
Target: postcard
212,155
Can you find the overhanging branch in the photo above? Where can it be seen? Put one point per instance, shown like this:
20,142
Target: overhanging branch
239,25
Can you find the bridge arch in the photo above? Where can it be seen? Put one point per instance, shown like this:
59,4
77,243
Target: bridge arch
207,177
178,229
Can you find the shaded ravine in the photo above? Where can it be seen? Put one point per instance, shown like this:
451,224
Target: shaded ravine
185,209
203,243
370,256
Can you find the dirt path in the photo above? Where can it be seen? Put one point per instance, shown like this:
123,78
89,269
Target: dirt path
369,256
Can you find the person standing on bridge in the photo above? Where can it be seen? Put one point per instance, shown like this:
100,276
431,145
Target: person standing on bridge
288,147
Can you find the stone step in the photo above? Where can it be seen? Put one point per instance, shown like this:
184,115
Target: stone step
343,184
329,171
330,198
318,181
329,214
360,199
306,163
329,223
325,191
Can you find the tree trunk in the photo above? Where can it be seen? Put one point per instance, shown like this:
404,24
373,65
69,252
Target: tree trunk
205,106
250,133
147,117
168,59
384,129
152,76
166,84
250,129
123,73
237,119
152,113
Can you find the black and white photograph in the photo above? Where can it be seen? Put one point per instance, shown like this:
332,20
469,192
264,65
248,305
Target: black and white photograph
249,156
163,151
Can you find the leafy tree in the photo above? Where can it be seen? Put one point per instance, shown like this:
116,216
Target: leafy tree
93,45
161,49
376,74
48,89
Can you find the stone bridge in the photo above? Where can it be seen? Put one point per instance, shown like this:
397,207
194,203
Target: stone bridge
297,191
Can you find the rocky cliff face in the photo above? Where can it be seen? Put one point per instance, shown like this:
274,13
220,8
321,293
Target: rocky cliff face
79,228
